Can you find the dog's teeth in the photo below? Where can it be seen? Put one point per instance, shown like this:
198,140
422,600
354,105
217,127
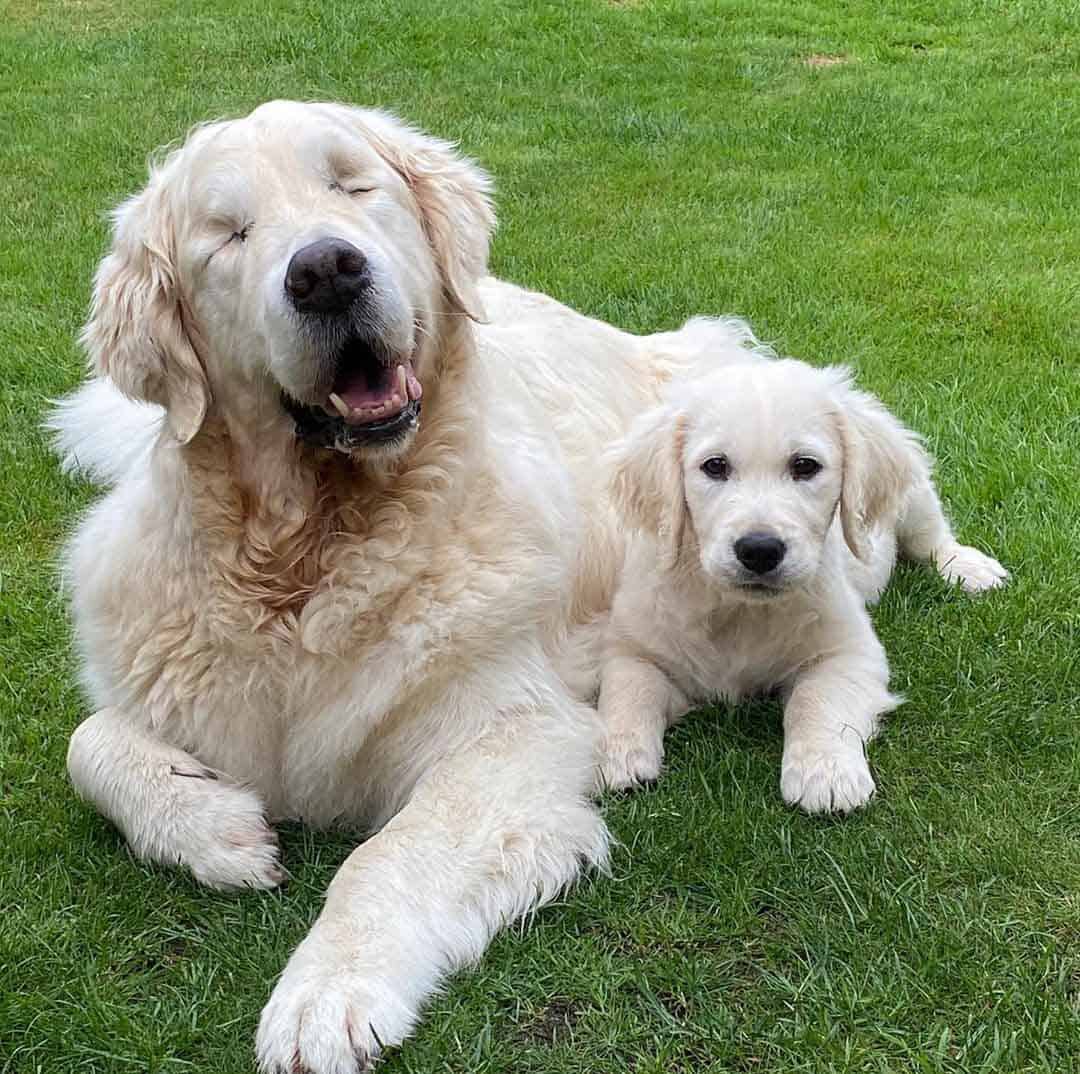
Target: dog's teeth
401,379
414,388
340,405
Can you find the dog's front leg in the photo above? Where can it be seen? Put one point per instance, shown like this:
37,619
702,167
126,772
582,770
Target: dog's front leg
637,705
493,831
831,713
171,808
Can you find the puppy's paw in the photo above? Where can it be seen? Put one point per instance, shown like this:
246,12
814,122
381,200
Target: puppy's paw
630,759
971,568
825,781
324,1018
223,838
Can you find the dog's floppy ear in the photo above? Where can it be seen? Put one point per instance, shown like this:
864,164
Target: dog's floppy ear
453,195
647,478
882,459
136,333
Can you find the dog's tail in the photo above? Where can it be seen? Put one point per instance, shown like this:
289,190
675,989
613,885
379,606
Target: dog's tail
100,433
703,344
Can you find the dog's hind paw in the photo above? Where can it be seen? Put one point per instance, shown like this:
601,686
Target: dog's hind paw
972,569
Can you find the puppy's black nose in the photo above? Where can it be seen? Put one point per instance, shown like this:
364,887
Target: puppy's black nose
327,276
759,552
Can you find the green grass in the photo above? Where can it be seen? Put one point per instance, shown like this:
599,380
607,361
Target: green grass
910,210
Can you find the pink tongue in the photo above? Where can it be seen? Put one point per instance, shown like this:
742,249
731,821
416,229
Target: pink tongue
356,394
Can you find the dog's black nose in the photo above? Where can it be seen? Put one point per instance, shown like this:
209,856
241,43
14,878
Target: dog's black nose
759,552
327,276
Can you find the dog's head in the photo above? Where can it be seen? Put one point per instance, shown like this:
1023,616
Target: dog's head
750,466
295,266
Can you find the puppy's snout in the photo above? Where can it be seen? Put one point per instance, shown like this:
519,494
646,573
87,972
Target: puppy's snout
327,276
759,552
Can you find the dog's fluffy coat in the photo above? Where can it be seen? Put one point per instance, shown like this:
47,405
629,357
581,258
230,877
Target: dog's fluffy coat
691,622
269,630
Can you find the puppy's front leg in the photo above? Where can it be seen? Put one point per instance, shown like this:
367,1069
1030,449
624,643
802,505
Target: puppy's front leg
831,713
637,704
494,831
171,808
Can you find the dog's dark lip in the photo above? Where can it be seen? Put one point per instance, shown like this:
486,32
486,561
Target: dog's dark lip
762,589
320,429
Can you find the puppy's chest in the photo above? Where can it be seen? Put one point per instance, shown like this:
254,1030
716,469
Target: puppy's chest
737,655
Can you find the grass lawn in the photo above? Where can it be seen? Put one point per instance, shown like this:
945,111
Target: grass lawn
891,185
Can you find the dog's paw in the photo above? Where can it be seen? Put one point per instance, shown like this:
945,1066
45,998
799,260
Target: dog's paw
630,760
224,839
974,570
826,781
324,1018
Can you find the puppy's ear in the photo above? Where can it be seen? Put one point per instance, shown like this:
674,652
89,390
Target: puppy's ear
882,460
453,195
136,333
647,479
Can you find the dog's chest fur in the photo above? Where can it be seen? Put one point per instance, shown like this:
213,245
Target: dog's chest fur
738,652
273,645
709,648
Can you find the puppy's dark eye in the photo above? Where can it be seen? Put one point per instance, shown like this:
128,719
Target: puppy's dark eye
803,467
242,234
717,468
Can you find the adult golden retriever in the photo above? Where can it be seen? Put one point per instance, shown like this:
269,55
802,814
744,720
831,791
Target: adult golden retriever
337,575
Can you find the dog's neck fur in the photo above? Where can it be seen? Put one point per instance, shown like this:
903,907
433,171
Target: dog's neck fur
267,509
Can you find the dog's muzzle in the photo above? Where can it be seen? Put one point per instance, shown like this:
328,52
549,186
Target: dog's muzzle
374,397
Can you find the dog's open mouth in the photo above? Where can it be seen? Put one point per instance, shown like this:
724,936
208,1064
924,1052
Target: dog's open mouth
368,389
375,398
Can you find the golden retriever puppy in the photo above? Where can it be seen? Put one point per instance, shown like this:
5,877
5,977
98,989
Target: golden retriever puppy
771,500
356,514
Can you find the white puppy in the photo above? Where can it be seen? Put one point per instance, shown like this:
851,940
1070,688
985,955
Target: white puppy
771,498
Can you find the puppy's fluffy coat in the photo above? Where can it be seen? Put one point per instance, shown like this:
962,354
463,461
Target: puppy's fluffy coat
771,499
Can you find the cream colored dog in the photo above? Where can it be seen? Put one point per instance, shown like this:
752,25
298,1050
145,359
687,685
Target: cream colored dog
771,498
349,536
358,512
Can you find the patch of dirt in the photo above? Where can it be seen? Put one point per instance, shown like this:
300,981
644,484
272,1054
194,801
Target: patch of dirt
821,59
675,1005
553,1024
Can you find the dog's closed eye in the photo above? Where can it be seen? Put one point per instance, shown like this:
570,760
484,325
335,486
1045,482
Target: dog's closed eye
352,190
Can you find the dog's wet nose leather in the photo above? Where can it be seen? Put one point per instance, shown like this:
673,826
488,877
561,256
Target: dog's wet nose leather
759,552
326,276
